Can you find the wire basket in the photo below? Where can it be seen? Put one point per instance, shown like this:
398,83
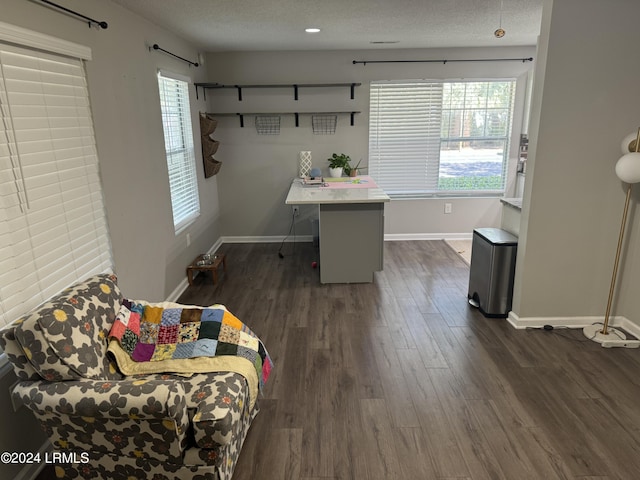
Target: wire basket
268,125
324,124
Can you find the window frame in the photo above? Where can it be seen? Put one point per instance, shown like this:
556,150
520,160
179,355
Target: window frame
49,176
427,185
180,156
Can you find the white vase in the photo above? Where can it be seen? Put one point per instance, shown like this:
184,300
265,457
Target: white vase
305,163
335,172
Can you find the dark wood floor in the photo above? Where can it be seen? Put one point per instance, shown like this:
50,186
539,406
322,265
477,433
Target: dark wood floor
401,379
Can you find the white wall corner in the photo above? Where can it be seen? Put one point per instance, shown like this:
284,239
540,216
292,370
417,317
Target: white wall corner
178,291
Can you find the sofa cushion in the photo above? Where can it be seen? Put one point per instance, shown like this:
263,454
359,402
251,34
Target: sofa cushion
66,337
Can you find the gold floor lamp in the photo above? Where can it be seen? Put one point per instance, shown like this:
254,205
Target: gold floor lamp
627,170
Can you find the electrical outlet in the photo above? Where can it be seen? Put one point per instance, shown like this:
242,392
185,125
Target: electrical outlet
448,208
188,239
296,210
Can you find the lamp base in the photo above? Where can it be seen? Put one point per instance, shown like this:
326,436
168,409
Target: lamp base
613,338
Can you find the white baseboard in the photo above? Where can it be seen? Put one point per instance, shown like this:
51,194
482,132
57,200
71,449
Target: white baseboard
266,239
573,322
179,290
214,248
395,237
184,284
392,237
458,236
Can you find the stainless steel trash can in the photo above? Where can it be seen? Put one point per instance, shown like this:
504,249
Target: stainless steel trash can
493,264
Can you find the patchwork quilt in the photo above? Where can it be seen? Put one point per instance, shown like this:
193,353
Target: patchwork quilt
173,338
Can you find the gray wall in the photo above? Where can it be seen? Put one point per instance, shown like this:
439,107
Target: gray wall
257,169
585,102
583,105
150,259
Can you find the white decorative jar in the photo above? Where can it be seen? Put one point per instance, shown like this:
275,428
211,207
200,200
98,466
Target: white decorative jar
305,164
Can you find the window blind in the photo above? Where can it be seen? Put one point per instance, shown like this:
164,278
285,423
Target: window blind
53,229
178,139
440,137
404,135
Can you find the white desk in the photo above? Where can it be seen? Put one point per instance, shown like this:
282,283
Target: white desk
351,229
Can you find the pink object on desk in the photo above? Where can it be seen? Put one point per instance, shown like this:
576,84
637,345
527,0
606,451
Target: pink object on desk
364,181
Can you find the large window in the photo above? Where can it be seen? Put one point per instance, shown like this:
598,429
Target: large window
178,141
440,137
53,230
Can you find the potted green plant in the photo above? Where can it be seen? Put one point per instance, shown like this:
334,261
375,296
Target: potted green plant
353,171
338,164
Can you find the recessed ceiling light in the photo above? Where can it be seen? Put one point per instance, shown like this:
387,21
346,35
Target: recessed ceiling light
312,30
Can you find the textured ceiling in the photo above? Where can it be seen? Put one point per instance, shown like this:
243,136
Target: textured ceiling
236,25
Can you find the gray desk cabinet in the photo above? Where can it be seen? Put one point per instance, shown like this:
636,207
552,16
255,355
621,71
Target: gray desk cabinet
351,229
351,242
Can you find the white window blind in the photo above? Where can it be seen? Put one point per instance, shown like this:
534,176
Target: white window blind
440,137
178,140
404,135
53,230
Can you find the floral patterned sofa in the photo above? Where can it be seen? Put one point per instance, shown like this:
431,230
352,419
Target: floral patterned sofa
105,425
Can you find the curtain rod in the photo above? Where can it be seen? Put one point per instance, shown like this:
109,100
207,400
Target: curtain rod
102,24
156,47
444,62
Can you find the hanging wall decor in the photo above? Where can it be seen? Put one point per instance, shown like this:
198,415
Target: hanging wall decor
210,146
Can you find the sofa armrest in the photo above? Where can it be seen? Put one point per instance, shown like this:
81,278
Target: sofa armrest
220,404
131,417
135,399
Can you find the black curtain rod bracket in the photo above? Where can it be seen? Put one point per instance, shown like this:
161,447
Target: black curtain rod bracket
156,47
444,61
101,24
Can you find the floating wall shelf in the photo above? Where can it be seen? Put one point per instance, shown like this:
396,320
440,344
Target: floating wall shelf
296,114
295,86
